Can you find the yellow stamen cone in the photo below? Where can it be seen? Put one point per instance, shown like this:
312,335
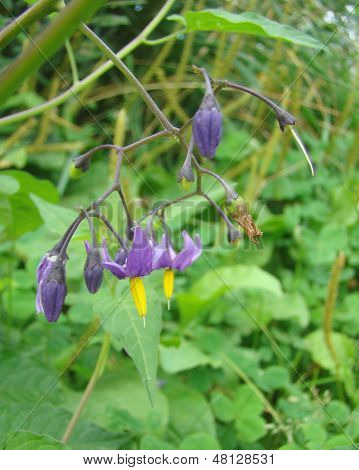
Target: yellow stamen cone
139,295
168,283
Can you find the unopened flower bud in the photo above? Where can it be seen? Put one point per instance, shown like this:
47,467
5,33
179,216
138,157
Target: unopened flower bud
207,126
186,176
53,290
233,235
284,118
93,270
75,173
79,166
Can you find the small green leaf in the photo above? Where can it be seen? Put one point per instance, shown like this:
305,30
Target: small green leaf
339,411
223,407
246,23
250,428
314,435
274,378
185,357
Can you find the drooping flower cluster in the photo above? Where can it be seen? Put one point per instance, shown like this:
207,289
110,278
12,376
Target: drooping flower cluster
139,253
141,259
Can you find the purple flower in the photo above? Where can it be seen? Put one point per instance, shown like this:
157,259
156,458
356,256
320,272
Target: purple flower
137,263
164,255
207,126
134,265
93,270
52,290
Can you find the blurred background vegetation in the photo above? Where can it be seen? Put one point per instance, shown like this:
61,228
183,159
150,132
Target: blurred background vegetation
259,349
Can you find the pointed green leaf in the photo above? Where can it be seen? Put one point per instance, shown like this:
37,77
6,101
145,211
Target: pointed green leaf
246,23
140,341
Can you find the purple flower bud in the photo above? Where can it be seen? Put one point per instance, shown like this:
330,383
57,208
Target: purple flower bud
53,290
207,126
93,270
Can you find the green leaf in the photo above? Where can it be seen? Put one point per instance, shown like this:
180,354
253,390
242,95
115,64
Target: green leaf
274,378
223,407
19,213
30,441
189,411
151,442
199,441
56,218
235,277
140,342
250,426
119,403
314,435
343,346
8,184
247,402
246,23
339,410
345,351
185,357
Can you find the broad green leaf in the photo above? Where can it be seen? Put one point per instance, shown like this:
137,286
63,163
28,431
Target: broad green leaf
56,218
34,417
139,341
19,213
119,403
31,381
185,357
235,278
199,441
24,440
245,23
8,184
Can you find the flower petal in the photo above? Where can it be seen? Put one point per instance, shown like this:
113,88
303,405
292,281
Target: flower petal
139,260
190,252
163,254
116,269
41,267
104,251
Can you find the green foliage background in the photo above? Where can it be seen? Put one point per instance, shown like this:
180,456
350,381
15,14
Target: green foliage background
242,358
